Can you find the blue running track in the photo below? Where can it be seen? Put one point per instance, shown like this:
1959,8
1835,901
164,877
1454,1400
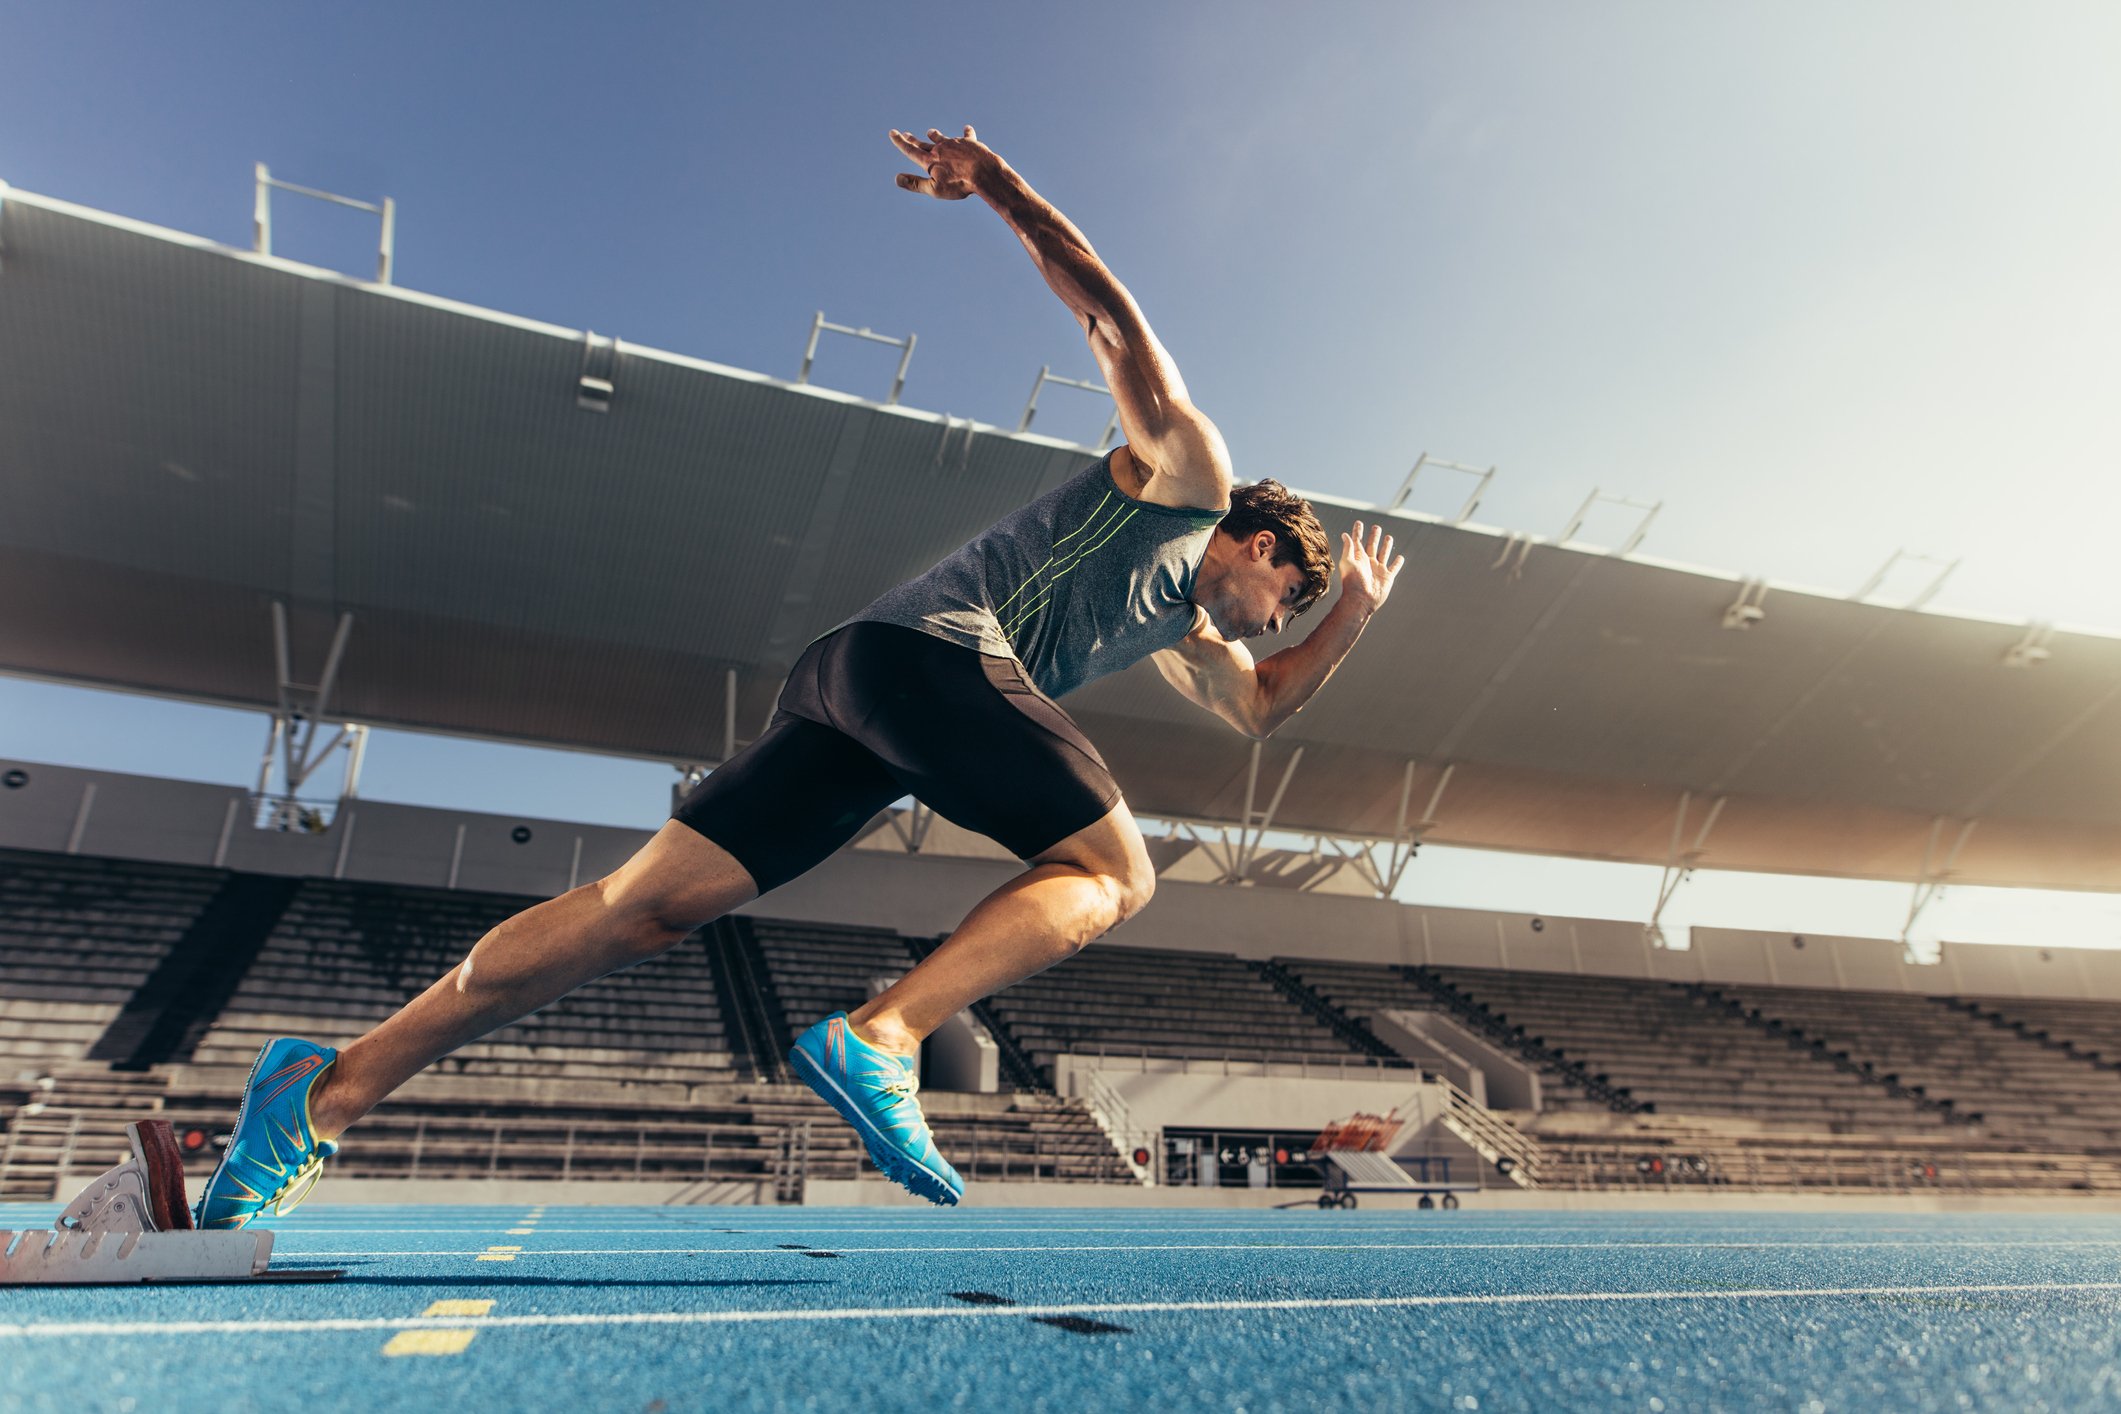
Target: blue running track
660,1310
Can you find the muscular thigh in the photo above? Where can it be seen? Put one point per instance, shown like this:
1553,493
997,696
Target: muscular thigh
967,733
788,800
680,877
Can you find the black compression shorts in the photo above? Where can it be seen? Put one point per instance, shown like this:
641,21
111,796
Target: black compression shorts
877,711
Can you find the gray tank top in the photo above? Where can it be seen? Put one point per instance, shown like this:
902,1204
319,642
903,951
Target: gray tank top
1082,582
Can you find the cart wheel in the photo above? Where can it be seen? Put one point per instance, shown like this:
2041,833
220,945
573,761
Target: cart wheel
1426,1202
1347,1200
1450,1200
1326,1200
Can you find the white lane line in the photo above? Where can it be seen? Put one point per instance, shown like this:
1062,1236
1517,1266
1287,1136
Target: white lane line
1915,1236
78,1329
288,1250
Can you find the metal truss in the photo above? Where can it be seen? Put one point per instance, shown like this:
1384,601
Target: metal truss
1679,865
912,826
1235,849
1929,885
291,739
1399,851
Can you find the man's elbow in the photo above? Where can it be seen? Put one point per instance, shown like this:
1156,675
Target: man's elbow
1262,724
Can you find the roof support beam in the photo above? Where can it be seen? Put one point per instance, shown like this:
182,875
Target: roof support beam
912,826
292,734
1930,886
1405,842
1253,828
1678,864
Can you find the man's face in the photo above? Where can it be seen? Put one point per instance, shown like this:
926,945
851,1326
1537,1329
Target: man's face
1263,595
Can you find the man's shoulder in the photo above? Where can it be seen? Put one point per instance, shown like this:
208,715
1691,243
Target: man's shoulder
1191,488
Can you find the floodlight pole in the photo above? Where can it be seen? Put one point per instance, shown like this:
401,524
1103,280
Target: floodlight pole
818,326
261,218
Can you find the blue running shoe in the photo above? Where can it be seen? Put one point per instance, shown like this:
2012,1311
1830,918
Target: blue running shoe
274,1158
875,1092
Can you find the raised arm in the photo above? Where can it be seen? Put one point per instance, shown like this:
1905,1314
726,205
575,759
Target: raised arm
1220,674
1170,438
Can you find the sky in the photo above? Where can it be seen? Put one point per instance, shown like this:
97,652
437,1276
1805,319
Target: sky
1827,281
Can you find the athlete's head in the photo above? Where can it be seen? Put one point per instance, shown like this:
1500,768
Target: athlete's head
1268,562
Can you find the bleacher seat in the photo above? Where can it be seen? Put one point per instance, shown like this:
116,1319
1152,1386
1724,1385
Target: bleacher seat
1143,1003
78,935
346,955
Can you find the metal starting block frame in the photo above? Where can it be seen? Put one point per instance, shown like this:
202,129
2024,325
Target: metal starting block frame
133,1225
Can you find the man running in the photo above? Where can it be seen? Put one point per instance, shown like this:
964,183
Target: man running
943,688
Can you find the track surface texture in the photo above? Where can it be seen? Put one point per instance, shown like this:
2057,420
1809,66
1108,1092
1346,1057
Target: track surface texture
669,1309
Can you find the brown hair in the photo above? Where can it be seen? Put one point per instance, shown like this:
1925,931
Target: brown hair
1299,538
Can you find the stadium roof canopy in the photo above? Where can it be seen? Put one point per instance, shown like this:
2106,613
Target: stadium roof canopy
191,433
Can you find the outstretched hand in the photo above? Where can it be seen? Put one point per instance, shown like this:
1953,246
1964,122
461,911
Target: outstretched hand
952,164
1367,571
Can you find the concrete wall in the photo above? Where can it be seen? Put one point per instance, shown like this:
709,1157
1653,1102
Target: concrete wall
139,817
1493,1077
1203,1095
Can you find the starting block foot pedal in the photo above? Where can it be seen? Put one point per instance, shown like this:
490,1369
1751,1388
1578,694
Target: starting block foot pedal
133,1224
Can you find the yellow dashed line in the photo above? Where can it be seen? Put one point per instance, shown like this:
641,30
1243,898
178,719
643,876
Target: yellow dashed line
498,1254
430,1342
459,1308
519,1231
446,1341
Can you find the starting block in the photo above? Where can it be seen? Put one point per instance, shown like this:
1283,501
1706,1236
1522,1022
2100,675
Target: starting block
134,1225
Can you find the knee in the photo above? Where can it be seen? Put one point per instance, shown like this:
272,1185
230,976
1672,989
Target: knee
1130,889
642,922
1136,889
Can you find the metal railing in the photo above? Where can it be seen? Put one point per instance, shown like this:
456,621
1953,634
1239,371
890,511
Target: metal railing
1109,1109
1252,1063
1492,1137
1772,1168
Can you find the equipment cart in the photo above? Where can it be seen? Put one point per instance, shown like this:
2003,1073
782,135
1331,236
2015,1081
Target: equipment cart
1351,1159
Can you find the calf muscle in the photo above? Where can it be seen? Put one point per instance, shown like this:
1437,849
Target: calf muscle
676,883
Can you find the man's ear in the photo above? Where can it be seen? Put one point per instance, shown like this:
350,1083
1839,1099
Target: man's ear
1262,544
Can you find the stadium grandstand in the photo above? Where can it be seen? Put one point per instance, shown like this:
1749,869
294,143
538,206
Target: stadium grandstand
242,481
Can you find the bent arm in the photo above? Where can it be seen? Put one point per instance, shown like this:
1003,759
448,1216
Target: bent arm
1257,697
